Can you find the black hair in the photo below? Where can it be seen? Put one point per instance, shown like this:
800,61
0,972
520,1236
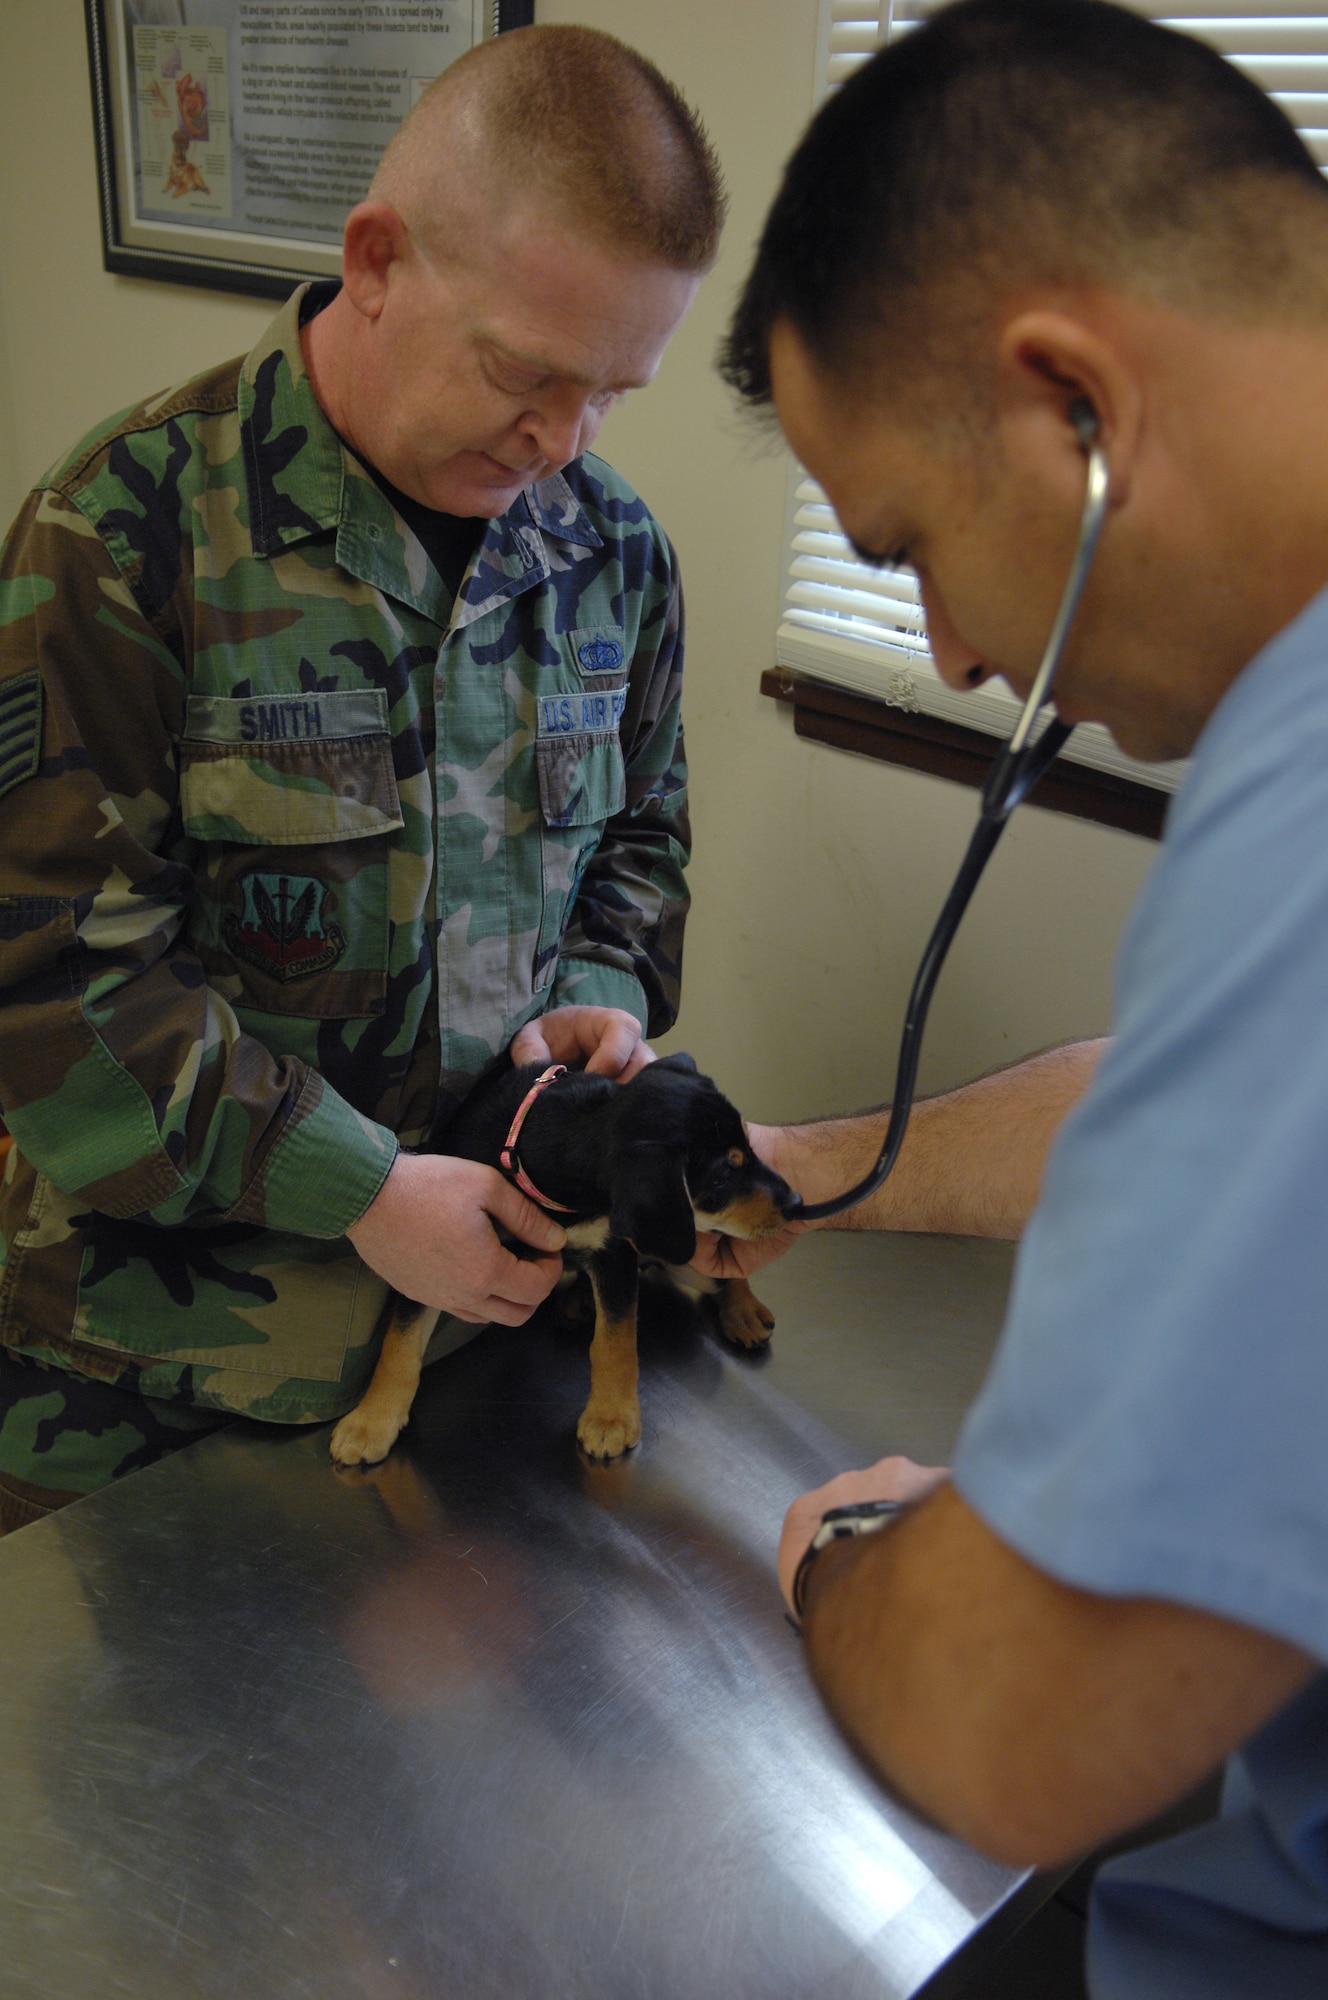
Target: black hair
1011,142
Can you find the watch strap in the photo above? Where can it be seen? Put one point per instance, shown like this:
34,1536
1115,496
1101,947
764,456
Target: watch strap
839,1524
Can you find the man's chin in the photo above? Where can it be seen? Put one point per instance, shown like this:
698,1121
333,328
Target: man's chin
1146,739
476,486
1151,746
472,501
483,507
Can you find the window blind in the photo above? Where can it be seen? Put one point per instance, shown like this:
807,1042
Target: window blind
862,628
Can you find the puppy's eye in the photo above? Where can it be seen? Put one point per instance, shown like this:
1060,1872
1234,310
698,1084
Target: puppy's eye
734,1156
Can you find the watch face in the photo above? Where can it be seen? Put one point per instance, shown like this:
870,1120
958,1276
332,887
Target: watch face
860,1517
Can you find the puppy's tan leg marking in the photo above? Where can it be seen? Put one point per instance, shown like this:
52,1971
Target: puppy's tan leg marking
610,1424
369,1431
742,1317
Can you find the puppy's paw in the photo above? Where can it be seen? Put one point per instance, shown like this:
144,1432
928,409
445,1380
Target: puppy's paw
364,1436
742,1317
609,1433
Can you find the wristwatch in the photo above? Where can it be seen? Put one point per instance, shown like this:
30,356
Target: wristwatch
860,1517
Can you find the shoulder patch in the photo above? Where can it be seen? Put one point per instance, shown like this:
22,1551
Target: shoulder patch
20,729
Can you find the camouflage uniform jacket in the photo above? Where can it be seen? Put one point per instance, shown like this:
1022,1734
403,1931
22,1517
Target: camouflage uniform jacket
291,844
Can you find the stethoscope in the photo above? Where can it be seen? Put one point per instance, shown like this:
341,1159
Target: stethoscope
1017,767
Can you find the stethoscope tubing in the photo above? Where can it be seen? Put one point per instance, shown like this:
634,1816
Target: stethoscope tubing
1016,768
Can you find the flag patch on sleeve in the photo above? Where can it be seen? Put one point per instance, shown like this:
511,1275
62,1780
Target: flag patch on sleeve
20,729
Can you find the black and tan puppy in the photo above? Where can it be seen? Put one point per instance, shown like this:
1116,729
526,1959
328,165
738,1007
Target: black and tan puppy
632,1170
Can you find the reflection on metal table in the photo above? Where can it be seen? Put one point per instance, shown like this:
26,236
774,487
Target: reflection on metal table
488,1723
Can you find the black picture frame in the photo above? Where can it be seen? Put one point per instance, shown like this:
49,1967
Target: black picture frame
201,250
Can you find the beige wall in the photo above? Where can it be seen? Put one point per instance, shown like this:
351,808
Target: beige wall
817,873
78,343
10,483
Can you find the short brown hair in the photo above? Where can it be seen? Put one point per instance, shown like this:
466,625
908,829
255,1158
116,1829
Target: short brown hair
595,127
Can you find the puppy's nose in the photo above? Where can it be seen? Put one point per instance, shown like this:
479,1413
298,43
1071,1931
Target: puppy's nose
791,1206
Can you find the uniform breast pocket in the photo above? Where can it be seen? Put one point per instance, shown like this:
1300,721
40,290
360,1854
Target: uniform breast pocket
582,784
291,901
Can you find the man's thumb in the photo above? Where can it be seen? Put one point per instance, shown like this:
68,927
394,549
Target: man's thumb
526,1220
529,1045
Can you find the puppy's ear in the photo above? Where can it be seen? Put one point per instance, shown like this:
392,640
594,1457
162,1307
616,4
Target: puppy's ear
681,1061
651,1204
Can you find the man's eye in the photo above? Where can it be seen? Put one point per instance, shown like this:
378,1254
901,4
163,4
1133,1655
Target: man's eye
896,558
511,382
606,399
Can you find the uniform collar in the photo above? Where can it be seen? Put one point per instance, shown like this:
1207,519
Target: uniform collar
304,483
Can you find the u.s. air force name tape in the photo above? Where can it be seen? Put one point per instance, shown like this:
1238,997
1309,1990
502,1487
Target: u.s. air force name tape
573,714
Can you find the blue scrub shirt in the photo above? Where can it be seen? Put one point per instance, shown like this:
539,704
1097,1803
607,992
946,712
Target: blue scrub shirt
1156,1418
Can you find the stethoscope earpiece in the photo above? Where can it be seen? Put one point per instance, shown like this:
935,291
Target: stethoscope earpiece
1084,418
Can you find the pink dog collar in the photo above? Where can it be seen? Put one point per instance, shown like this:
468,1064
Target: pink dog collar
510,1163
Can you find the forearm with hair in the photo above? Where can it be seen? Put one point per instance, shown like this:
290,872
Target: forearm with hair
973,1159
1034,1719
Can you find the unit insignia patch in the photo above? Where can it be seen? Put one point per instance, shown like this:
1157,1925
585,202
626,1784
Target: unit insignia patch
283,929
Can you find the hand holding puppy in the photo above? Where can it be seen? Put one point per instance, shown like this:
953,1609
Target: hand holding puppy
432,1232
609,1039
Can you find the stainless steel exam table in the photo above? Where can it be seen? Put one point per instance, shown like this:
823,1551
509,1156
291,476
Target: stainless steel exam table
488,1723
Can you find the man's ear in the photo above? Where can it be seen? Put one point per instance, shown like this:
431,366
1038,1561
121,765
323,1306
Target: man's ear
652,1206
374,239
1049,360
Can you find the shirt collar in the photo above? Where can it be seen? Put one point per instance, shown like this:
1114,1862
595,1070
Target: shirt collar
304,483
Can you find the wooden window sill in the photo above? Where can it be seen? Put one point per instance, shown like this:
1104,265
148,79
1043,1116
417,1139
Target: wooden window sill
920,742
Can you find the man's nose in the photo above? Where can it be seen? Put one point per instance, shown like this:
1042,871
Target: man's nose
557,428
956,662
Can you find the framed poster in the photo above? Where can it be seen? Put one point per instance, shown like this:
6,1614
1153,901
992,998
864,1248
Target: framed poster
234,135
